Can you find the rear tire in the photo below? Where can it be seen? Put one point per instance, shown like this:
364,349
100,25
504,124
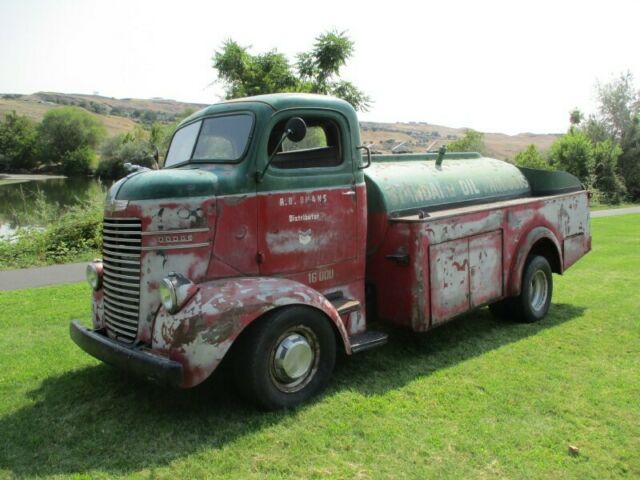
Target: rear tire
286,358
533,303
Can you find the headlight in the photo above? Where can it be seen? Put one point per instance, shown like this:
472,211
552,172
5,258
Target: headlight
168,295
175,291
94,275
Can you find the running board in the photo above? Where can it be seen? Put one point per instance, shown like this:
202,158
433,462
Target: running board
367,340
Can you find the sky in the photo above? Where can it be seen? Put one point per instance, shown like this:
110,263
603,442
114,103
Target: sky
494,66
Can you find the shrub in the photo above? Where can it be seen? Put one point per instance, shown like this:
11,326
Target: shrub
132,148
65,130
573,153
79,161
530,157
18,137
471,142
67,235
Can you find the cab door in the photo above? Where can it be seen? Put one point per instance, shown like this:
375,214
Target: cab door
307,199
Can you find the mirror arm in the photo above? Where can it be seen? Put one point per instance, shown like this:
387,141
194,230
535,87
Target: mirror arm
260,174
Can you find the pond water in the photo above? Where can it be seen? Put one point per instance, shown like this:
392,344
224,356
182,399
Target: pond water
19,202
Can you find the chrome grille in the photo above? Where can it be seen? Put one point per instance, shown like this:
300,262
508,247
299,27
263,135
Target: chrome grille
122,241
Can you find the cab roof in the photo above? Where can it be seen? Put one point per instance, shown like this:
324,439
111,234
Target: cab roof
276,102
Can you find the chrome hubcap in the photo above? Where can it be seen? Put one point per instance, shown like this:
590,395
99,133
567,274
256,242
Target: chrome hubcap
539,290
294,359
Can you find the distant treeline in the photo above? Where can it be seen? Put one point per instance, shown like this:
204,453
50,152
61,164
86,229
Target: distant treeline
70,140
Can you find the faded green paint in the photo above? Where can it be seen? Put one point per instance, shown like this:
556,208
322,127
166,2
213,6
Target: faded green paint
402,183
546,182
178,183
395,182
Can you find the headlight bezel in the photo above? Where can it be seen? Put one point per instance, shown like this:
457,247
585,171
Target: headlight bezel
175,291
168,295
93,275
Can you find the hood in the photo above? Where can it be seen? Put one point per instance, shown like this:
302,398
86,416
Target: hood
166,184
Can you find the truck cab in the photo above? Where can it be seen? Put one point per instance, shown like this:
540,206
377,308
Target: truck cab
262,239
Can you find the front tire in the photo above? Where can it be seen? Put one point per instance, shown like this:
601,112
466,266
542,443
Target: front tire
286,358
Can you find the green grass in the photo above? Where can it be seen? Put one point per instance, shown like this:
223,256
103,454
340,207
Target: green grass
476,398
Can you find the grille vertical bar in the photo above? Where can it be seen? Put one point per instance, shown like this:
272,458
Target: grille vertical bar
121,250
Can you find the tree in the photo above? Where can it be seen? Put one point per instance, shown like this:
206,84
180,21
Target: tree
134,147
619,113
629,160
573,153
575,117
316,71
66,129
530,157
18,137
79,161
471,142
607,180
619,105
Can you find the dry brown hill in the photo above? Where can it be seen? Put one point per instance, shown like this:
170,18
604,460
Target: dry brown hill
419,136
122,114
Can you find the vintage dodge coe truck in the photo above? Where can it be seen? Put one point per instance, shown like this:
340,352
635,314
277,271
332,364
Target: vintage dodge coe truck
270,228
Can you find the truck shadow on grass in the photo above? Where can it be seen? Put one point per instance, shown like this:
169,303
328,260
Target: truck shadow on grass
98,419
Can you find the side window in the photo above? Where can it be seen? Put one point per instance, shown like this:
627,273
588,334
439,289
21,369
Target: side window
321,146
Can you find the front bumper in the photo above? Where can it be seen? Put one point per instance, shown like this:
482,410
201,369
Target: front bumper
135,360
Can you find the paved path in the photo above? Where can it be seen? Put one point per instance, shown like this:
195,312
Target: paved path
41,276
74,272
615,211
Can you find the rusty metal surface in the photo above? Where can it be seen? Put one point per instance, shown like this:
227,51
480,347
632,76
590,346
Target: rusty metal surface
473,255
201,333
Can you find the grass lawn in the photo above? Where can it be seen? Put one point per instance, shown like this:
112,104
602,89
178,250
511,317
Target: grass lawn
476,398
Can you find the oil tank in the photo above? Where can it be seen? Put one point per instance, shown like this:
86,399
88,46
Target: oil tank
410,184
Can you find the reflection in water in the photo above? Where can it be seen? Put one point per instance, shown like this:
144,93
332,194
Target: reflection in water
18,200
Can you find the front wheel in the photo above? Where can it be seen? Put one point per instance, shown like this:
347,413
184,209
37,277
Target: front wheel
286,358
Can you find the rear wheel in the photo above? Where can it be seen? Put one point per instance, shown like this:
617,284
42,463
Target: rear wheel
286,358
534,300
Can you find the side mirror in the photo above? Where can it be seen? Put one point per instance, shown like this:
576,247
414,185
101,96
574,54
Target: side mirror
295,129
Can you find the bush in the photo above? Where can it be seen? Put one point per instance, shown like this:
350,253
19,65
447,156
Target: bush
132,148
18,137
65,130
531,158
78,230
78,162
67,236
471,142
573,153
607,179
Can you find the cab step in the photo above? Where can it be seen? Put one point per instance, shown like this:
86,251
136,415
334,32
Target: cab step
345,306
367,340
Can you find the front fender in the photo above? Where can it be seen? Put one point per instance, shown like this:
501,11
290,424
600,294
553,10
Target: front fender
201,333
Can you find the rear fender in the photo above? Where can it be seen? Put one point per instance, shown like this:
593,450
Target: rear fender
201,333
524,248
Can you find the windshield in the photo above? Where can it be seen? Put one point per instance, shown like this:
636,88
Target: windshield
216,139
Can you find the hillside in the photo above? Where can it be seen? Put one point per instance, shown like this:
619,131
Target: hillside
121,115
117,115
419,136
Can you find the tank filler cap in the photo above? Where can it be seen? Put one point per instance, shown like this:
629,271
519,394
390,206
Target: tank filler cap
441,151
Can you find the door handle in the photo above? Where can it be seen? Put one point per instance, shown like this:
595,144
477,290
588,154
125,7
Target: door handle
349,193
